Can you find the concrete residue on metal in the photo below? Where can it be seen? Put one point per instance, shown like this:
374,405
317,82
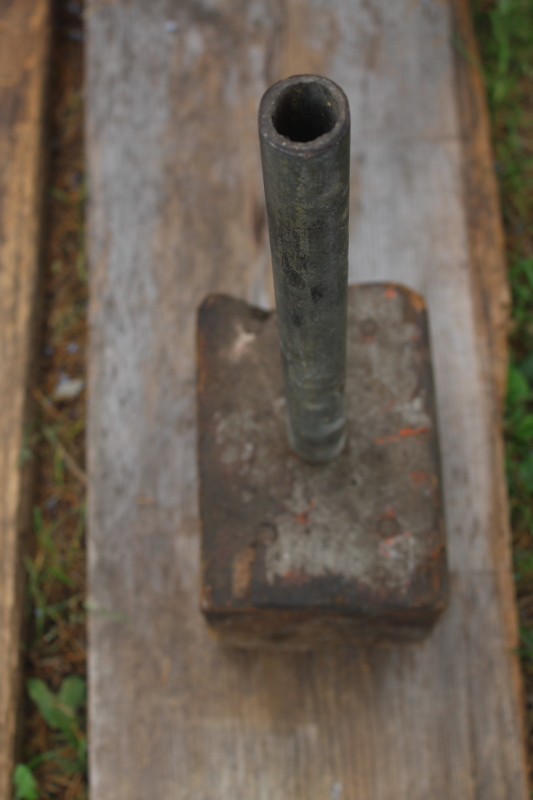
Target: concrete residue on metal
337,543
242,341
363,534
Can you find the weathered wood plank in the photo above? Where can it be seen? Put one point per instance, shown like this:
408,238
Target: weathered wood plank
24,43
177,211
491,291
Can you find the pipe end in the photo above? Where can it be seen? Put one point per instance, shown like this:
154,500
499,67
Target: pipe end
304,114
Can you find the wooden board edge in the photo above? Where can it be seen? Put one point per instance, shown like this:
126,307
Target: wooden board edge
486,236
25,40
492,301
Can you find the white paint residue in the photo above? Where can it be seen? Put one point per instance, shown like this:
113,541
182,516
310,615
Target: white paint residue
229,435
413,414
241,344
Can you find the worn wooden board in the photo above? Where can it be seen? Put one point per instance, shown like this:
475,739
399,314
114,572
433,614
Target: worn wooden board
177,211
24,43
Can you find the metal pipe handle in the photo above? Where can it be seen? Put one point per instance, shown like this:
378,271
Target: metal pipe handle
304,131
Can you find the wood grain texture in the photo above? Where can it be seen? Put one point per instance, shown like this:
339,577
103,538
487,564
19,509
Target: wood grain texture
176,212
24,44
490,288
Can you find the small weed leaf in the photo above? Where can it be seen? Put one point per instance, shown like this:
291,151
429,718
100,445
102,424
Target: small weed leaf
526,368
73,693
59,710
525,470
523,562
29,440
47,703
61,575
517,387
26,787
523,269
59,194
526,648
38,522
523,428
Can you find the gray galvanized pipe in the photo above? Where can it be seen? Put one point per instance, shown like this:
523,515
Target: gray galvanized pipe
304,130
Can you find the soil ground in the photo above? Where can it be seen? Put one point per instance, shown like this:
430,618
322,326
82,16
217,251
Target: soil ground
56,646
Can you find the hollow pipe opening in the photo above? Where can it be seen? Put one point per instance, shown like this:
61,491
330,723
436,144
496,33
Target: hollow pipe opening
304,111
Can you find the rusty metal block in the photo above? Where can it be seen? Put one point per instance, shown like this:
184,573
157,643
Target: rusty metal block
299,554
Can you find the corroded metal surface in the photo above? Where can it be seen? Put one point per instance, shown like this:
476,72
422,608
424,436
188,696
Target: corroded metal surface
304,131
297,553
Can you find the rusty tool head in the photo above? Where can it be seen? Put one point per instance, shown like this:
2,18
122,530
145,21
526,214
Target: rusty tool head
300,554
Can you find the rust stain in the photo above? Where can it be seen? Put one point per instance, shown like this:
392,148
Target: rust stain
340,600
145,500
390,292
296,576
416,300
242,573
436,552
418,478
206,597
304,516
402,433
389,513
413,431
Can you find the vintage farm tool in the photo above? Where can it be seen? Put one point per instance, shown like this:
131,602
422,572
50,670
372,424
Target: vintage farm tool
320,488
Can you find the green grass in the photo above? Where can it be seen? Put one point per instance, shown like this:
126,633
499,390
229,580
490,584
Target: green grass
62,711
